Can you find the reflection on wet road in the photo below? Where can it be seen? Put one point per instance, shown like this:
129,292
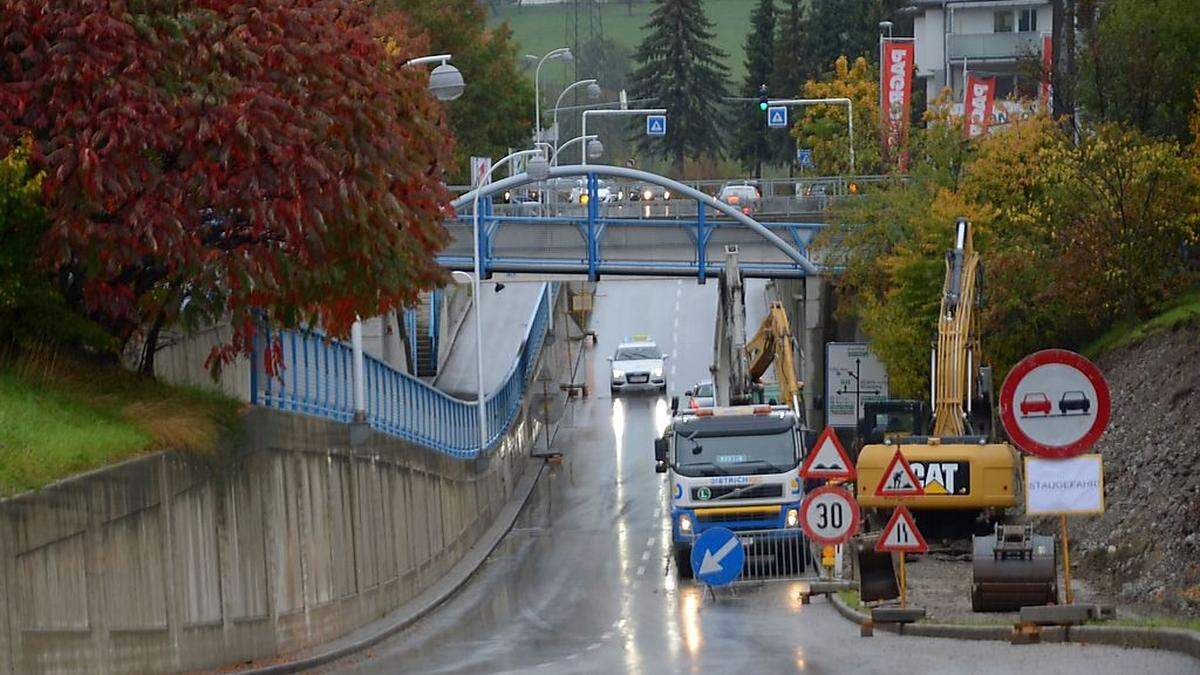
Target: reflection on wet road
584,584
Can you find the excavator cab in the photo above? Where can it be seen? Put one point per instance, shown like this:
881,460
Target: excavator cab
892,420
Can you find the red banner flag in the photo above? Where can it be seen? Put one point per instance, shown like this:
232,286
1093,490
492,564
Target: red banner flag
1047,67
896,87
977,104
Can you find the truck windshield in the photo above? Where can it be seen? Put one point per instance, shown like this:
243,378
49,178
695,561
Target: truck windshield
700,455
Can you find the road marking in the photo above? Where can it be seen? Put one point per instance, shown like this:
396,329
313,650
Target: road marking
641,570
658,511
646,556
650,541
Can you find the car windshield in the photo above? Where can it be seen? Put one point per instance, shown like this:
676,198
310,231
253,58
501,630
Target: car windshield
704,390
744,192
700,455
638,353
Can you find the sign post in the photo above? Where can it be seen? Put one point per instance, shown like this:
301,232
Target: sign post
1055,404
900,535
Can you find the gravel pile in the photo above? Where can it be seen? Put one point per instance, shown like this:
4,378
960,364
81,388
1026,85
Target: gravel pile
1145,549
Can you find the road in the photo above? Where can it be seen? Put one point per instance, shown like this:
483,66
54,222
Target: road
583,583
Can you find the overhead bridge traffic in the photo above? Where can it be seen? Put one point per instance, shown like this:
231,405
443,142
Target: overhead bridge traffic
685,235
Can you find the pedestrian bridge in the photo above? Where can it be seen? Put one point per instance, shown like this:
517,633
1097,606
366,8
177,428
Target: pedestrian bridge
685,235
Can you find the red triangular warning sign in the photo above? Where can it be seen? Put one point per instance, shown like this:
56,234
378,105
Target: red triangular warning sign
901,534
828,459
898,479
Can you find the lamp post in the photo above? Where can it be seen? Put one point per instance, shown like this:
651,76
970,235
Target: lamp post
594,147
537,170
445,82
593,94
563,53
606,113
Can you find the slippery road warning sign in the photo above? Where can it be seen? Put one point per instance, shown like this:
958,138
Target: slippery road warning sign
901,535
899,480
1055,404
828,459
829,515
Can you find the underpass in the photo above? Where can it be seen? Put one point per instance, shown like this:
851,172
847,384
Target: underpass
584,581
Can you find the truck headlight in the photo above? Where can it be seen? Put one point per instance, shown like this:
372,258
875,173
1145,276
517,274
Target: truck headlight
685,524
792,519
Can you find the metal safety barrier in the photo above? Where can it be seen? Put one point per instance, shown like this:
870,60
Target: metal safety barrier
315,376
770,557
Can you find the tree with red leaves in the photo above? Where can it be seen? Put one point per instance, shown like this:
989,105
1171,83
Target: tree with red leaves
211,159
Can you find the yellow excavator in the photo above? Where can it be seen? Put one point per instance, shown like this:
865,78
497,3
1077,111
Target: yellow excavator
772,344
966,473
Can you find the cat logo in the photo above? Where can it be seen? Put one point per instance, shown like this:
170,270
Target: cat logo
943,478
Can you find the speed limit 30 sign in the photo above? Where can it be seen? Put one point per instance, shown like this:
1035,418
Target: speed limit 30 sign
829,515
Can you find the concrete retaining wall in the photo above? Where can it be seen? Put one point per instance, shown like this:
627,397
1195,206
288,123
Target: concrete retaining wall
173,562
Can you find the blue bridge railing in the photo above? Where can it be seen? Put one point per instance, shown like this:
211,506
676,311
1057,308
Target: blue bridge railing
316,377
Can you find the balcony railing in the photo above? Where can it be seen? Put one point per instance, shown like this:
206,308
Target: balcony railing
993,46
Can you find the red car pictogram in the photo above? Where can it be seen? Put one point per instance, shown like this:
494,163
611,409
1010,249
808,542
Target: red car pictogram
1035,402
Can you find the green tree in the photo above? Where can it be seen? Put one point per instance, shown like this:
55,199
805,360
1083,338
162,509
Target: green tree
683,71
753,142
495,112
825,128
793,62
1139,65
847,27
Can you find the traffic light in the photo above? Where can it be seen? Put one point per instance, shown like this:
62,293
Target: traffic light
763,101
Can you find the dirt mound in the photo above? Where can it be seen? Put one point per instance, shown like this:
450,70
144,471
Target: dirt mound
1146,547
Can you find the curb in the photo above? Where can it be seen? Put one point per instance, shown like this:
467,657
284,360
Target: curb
429,600
1170,639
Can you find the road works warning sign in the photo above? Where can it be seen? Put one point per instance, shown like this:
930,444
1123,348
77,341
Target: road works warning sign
898,479
1056,487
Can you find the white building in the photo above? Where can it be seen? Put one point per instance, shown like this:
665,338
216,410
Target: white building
988,36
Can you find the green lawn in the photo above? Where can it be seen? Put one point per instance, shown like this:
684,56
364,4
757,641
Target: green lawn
1185,309
540,28
59,417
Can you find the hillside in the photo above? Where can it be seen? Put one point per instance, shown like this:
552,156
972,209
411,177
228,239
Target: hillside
540,28
1146,547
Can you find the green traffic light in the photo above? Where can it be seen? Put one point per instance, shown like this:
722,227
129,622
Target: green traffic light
762,105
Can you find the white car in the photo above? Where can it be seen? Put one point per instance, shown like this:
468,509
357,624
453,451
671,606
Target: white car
638,364
604,194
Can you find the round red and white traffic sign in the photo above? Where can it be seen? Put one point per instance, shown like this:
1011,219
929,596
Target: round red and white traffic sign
829,515
1055,404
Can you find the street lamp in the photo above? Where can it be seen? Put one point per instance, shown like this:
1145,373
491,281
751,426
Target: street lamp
606,113
563,53
593,90
445,82
594,148
537,168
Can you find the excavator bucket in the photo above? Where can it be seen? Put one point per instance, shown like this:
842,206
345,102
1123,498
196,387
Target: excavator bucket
1013,568
876,575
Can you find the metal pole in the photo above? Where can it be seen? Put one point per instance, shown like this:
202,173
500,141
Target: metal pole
564,146
436,58
559,103
1066,543
537,92
634,111
480,399
356,346
850,118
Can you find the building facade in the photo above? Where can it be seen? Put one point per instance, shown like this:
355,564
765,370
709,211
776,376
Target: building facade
989,37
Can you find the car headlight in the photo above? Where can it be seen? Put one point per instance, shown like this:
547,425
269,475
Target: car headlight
583,199
621,196
666,194
792,519
656,372
685,524
647,195
618,374
507,196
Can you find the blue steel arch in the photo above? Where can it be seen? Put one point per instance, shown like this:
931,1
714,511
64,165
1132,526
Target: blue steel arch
595,226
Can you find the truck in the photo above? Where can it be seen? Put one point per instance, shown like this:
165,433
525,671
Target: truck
736,464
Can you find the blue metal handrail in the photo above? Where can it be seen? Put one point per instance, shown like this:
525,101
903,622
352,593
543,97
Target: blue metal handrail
316,378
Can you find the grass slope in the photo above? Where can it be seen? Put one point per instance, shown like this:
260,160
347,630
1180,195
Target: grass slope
1185,309
540,28
59,417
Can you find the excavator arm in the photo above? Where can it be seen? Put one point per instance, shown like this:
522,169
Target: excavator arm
772,344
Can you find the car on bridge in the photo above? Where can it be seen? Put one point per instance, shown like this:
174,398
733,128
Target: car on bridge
647,192
742,196
638,365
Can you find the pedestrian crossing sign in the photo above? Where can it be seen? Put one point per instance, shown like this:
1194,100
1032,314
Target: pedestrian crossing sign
656,125
777,116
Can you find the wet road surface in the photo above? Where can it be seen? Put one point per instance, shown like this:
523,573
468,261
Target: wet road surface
583,583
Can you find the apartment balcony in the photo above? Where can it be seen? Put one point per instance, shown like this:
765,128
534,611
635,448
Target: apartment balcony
993,46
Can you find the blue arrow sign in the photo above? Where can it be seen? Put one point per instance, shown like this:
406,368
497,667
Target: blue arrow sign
656,125
777,116
717,557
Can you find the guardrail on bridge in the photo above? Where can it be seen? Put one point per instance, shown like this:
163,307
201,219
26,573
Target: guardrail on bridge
316,376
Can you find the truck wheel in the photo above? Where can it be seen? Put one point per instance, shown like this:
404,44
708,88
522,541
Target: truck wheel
683,562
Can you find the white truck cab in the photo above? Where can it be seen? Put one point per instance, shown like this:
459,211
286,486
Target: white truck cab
738,468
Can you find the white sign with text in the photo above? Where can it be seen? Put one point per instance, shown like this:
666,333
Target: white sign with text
1071,486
